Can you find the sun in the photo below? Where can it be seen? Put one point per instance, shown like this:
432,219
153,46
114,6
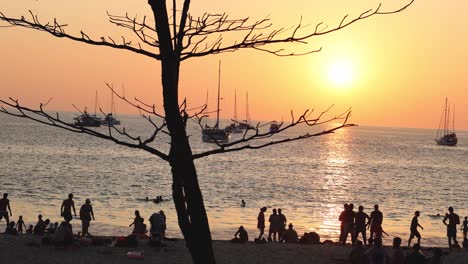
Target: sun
341,73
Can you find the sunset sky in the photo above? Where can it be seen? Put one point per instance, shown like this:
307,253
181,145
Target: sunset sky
393,70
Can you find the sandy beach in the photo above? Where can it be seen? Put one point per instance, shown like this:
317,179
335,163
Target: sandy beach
28,250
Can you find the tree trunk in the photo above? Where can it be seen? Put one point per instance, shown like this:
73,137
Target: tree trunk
186,192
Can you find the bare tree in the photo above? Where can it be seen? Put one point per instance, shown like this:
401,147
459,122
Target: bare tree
172,40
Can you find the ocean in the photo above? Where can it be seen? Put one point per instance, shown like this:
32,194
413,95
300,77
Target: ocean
400,169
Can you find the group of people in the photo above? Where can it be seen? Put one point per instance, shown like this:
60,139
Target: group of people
157,229
277,229
356,223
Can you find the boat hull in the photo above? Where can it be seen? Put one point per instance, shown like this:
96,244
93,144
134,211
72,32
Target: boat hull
448,140
215,135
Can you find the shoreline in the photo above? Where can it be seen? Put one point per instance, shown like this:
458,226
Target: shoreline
27,249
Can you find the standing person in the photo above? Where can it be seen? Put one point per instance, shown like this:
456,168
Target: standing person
341,219
464,228
40,226
274,225
361,224
454,220
375,224
4,205
414,229
348,227
65,209
281,225
157,222
163,226
86,212
261,222
20,224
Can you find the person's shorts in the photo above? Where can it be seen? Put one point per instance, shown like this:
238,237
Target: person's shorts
3,214
360,229
451,232
67,216
415,233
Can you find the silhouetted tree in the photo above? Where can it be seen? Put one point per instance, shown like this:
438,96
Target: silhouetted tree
172,41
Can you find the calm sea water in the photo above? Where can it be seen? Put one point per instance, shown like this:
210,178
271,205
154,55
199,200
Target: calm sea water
402,170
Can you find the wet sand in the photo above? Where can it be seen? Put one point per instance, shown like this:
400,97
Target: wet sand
28,250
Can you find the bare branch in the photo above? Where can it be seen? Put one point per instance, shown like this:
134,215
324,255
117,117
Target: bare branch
254,134
58,30
215,25
43,117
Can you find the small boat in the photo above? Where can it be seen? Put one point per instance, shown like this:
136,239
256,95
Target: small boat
274,127
110,120
446,136
234,127
215,134
87,120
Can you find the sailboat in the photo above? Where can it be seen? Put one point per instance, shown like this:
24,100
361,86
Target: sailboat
445,136
110,120
234,127
245,124
215,134
88,120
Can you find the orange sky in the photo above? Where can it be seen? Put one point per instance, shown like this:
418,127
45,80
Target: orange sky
404,64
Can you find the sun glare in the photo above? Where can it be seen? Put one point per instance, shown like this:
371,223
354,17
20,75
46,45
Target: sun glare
341,73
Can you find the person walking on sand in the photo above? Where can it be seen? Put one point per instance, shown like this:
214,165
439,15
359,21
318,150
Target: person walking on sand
360,221
414,229
65,209
86,213
454,220
4,206
375,224
261,222
137,218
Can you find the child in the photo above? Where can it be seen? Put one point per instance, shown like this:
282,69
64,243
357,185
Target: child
464,227
20,224
29,231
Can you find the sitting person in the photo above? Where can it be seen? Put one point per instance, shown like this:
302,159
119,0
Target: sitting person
51,228
243,236
140,228
357,255
290,236
63,236
416,257
11,230
30,230
40,227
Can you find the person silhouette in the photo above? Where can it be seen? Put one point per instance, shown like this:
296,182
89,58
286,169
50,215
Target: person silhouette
464,228
454,220
361,224
65,209
375,224
243,203
86,213
341,218
4,206
414,229
274,225
261,222
281,225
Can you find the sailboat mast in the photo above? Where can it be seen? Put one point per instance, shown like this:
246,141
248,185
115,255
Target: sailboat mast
112,101
453,120
219,88
235,104
247,114
95,104
448,120
445,118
